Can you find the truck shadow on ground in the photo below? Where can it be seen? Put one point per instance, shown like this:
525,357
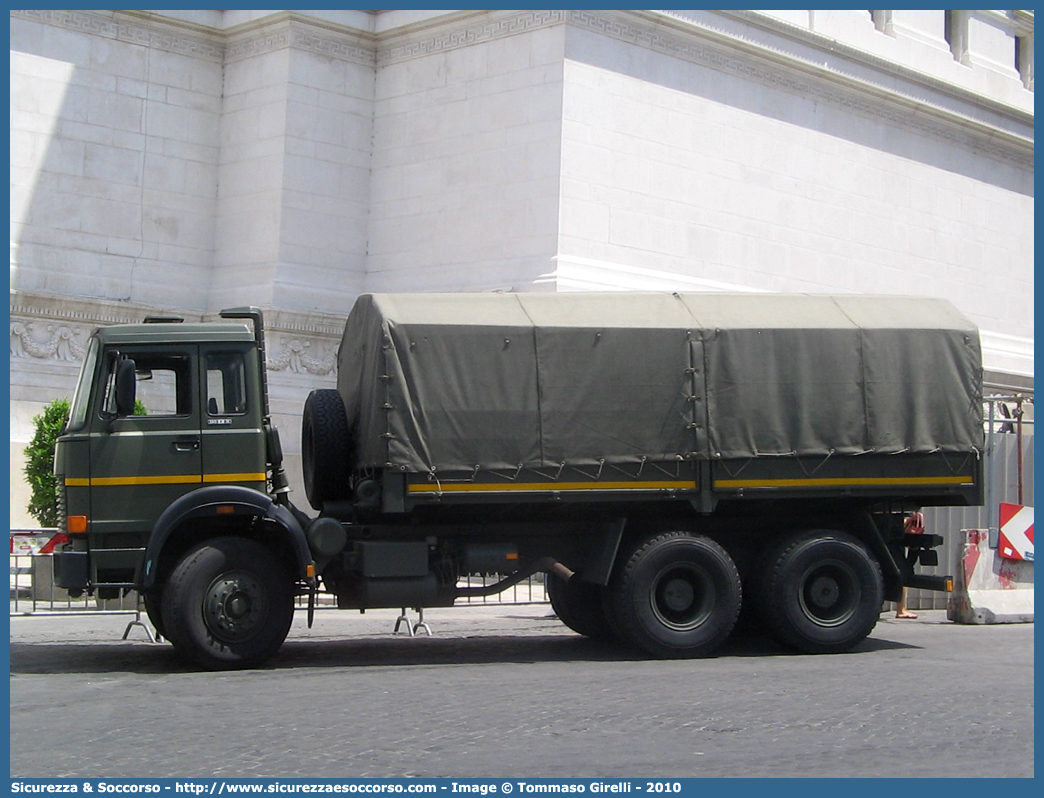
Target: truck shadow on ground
160,658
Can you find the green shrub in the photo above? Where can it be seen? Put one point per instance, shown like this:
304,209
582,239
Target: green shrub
39,466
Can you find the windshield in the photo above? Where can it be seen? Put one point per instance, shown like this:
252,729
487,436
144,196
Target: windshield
82,395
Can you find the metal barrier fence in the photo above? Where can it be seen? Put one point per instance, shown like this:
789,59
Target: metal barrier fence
33,591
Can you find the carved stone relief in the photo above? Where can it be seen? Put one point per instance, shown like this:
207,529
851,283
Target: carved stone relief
55,333
31,339
298,356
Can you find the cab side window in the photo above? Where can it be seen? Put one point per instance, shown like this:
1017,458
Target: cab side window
226,384
163,385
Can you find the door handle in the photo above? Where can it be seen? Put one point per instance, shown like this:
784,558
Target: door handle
186,445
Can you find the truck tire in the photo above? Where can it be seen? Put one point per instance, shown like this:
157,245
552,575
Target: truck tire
678,595
324,448
821,592
228,604
153,601
578,605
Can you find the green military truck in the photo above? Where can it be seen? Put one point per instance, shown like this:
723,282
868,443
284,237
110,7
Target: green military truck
665,460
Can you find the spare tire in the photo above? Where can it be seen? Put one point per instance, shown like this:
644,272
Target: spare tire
325,448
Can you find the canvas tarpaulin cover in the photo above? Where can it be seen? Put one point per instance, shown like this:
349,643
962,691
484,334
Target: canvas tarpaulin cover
455,382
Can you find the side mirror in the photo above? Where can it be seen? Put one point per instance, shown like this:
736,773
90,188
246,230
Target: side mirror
126,387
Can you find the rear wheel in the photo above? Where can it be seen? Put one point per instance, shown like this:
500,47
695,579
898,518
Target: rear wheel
578,605
228,604
677,595
821,592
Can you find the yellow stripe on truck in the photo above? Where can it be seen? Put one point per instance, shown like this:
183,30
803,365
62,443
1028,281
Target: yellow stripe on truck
165,479
824,482
233,477
547,487
721,484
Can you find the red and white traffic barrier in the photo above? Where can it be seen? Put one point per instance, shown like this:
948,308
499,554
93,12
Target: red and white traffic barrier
995,585
1016,532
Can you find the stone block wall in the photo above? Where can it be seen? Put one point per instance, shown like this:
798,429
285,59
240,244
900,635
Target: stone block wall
114,147
294,172
466,157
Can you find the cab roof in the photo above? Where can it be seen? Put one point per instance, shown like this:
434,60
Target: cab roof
173,333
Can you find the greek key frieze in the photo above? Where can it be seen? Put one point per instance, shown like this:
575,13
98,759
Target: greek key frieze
300,36
471,34
127,30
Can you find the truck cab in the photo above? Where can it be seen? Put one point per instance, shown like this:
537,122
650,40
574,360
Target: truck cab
162,409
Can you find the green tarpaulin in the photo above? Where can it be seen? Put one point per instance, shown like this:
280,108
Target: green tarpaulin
496,381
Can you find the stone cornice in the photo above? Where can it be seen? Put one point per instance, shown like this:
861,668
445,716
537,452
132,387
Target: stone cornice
86,311
461,30
751,61
56,329
290,30
1023,19
137,27
275,32
833,47
663,31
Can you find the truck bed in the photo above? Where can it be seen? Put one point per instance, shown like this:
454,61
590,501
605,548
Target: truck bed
734,393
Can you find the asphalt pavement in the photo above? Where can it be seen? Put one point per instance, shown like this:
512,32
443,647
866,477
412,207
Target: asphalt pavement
507,691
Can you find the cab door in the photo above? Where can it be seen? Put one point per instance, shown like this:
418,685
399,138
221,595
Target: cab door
233,441
142,462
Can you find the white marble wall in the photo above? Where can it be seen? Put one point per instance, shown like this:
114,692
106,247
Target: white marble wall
114,146
192,160
466,159
700,168
294,174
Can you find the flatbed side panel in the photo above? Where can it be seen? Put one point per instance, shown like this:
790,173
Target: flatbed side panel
603,482
950,478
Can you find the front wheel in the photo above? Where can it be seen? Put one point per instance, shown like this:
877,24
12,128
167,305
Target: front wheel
228,604
821,592
678,595
153,601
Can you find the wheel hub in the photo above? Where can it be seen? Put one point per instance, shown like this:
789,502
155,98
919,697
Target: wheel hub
830,593
683,597
678,595
235,606
824,592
